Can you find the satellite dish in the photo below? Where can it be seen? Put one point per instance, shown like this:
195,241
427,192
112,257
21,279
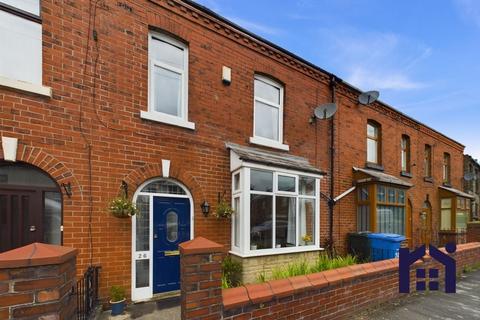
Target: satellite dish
325,111
368,97
469,176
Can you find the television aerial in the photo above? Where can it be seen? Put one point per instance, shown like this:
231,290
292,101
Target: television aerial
325,111
368,97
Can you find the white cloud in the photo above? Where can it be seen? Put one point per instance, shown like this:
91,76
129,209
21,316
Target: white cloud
469,10
375,60
255,26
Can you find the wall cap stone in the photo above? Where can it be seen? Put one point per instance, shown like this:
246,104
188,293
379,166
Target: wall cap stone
200,245
36,254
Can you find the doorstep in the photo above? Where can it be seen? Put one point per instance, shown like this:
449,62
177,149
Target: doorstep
161,309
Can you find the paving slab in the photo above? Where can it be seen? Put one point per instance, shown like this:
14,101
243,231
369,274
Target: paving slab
164,309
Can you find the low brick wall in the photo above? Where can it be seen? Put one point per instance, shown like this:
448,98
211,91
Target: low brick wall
473,231
333,294
252,267
36,282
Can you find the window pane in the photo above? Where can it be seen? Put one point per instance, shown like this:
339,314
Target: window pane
446,219
307,186
381,197
446,203
371,131
167,53
266,121
167,91
286,183
142,223
236,181
363,193
25,176
285,221
363,218
461,220
236,222
401,196
261,180
372,151
260,221
404,160
172,226
266,91
52,219
23,38
306,221
391,195
164,186
142,273
391,219
31,6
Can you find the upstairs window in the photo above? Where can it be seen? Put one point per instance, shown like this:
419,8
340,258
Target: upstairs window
446,168
405,153
268,113
168,81
428,161
373,142
21,39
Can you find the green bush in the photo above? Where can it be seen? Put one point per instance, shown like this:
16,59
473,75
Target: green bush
231,273
117,293
302,267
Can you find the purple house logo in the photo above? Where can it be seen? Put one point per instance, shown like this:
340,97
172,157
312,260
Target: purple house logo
407,258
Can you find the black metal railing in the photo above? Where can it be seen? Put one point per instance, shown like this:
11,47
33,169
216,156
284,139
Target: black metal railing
86,293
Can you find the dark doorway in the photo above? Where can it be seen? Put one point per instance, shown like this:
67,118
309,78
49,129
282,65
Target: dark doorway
30,207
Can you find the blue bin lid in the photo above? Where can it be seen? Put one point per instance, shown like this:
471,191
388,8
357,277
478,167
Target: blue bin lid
387,236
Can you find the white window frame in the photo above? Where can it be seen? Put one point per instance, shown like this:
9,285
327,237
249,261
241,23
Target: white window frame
244,194
26,14
277,144
151,114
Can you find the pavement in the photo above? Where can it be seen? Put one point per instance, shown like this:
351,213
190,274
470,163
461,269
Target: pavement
164,309
464,304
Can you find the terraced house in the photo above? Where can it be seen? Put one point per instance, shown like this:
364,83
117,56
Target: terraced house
186,113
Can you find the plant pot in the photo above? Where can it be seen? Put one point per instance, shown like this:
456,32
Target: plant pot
118,307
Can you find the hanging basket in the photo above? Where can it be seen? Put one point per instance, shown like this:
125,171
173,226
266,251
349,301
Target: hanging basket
122,208
224,210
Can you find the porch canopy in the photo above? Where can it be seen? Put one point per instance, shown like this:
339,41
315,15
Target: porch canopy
457,192
372,176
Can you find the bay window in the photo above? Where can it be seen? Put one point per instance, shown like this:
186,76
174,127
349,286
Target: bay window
381,208
274,211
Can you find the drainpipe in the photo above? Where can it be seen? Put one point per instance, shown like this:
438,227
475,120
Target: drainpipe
331,201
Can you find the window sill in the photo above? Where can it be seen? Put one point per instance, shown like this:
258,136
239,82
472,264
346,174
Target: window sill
26,87
164,118
374,166
269,143
428,179
406,174
447,184
279,251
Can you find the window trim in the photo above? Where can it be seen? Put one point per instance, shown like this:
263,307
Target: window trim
378,139
151,114
446,168
244,194
276,144
427,161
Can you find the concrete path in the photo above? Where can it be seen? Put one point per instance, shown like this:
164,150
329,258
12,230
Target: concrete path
465,304
165,309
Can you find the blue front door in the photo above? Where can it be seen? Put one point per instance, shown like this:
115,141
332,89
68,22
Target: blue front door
171,226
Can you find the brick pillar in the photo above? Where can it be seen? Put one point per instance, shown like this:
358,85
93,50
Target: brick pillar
200,276
473,231
36,282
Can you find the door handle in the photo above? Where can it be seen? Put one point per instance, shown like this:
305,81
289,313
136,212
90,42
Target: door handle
33,228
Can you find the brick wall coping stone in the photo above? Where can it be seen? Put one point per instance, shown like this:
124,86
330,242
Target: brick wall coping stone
200,245
36,254
264,292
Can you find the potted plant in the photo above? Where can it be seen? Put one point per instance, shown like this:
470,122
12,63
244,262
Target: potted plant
122,207
307,239
224,210
117,300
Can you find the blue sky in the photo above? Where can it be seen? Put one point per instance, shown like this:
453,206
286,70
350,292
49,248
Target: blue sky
423,56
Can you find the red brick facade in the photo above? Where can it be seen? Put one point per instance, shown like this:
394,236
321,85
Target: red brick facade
90,132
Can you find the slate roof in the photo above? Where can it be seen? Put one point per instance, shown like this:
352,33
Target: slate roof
378,176
277,159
